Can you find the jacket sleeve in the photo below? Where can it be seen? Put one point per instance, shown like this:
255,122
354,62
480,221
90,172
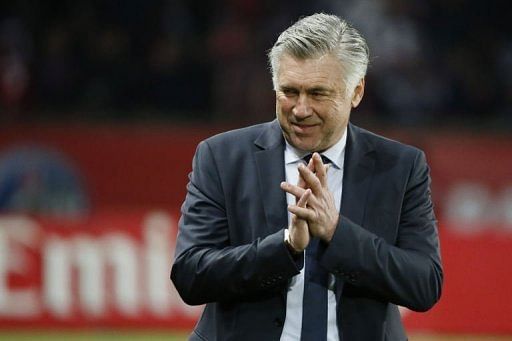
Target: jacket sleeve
207,267
407,273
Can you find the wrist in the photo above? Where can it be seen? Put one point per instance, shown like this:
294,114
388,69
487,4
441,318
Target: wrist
329,233
289,244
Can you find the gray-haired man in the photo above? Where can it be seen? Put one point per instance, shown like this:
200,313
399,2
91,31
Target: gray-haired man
308,227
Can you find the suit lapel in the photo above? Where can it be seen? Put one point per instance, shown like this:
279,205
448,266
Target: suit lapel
270,165
357,178
357,175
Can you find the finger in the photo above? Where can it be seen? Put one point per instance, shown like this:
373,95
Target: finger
301,183
321,172
301,212
292,189
311,167
307,200
304,198
310,179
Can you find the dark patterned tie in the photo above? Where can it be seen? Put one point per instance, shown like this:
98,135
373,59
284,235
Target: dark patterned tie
314,302
308,157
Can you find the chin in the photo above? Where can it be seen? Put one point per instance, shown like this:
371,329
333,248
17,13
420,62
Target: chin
308,144
304,146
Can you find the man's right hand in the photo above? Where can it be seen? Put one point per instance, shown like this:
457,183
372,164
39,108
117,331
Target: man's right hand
298,229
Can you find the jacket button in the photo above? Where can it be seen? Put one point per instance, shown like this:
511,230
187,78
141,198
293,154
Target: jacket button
278,322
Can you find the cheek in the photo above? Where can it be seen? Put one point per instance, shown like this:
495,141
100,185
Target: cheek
284,104
339,110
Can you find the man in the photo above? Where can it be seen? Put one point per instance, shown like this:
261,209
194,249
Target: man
283,250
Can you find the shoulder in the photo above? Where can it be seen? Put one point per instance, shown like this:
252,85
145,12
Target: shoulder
240,135
393,159
244,139
384,145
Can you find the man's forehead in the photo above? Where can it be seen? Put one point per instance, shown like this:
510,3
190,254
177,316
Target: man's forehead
322,71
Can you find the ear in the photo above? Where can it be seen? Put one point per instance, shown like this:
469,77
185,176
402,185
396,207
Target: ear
358,93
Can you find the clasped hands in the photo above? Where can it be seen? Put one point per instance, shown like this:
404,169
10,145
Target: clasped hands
314,213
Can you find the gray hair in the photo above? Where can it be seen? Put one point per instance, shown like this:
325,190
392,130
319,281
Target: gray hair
320,34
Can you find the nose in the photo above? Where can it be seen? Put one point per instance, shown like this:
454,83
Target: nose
302,109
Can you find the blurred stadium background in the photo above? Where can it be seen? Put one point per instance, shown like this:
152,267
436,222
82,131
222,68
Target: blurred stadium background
103,102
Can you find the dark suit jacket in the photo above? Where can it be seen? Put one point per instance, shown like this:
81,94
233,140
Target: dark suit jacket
230,252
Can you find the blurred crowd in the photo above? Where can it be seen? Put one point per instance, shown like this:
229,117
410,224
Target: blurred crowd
434,62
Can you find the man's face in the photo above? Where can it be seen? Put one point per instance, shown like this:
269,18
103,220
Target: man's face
311,103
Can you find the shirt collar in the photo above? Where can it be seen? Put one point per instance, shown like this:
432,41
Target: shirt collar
335,153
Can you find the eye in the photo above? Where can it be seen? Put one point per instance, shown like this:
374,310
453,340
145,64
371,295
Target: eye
289,92
318,94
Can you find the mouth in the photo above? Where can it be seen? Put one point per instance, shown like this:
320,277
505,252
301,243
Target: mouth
303,128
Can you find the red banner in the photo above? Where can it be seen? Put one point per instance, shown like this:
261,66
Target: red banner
477,294
112,270
109,270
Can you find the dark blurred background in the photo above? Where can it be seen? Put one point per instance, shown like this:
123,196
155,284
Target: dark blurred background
434,62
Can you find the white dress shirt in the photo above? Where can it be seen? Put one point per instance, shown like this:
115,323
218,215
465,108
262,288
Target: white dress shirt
293,322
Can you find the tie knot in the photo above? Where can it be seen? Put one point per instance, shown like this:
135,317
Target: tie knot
325,159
